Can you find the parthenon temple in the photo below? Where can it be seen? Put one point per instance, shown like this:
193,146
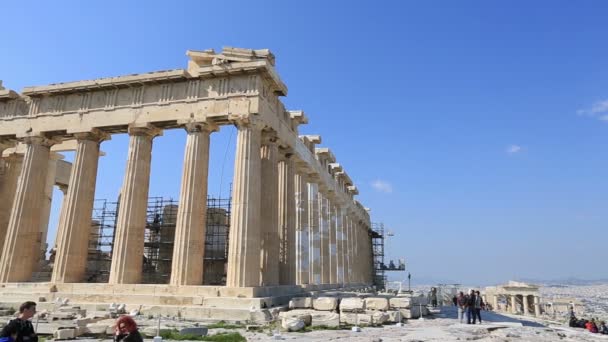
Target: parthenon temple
294,226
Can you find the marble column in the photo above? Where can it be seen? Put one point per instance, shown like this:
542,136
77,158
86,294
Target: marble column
346,246
269,253
12,169
314,233
301,221
537,306
21,247
513,304
191,225
128,249
525,304
324,236
495,302
333,245
74,225
244,249
47,199
287,222
339,245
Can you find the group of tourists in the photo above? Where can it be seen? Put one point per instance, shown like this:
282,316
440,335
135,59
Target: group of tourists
469,305
21,329
593,325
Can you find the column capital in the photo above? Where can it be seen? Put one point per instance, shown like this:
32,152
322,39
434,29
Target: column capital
95,134
269,137
144,130
41,140
200,126
243,120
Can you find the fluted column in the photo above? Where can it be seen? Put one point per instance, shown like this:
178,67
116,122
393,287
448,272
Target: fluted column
333,248
351,249
244,250
128,249
12,169
20,252
314,234
269,253
191,224
536,306
346,245
324,236
513,304
47,199
302,238
287,222
525,304
340,242
75,222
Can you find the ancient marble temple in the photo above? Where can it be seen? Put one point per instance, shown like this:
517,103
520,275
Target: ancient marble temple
294,219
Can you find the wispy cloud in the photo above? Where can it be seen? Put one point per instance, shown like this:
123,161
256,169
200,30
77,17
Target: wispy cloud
598,110
513,149
382,186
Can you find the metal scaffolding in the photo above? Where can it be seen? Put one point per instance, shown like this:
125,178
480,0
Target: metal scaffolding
159,237
377,234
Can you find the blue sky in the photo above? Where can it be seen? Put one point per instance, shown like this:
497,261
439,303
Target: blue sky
475,130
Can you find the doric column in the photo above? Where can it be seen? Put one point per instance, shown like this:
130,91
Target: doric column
269,253
191,224
324,236
287,222
20,252
513,304
346,245
525,304
47,199
333,245
302,238
313,233
74,226
128,249
495,302
244,250
340,237
12,169
536,306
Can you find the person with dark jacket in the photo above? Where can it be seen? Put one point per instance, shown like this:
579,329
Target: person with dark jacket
126,330
462,302
471,307
478,306
21,328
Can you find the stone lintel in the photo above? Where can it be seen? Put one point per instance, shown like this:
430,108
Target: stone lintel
298,117
335,167
353,190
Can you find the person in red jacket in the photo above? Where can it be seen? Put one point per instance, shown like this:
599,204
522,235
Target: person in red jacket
591,326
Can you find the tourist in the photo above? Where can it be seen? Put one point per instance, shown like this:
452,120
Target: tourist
126,330
21,329
602,329
478,305
433,297
591,326
471,307
462,302
455,300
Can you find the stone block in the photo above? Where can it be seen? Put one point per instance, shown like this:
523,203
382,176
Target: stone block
196,331
395,316
64,334
378,317
353,318
400,303
327,319
325,303
304,315
292,324
82,322
151,331
61,315
300,303
97,328
352,304
376,303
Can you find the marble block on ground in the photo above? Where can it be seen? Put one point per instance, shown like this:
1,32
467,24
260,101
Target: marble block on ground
352,304
376,303
325,303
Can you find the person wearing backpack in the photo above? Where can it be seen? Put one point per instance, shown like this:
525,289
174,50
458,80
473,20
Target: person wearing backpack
21,329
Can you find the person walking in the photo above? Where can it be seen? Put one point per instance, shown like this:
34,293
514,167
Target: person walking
455,300
471,307
461,302
478,305
21,329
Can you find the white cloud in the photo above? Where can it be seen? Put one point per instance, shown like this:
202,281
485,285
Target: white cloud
598,110
512,149
382,186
